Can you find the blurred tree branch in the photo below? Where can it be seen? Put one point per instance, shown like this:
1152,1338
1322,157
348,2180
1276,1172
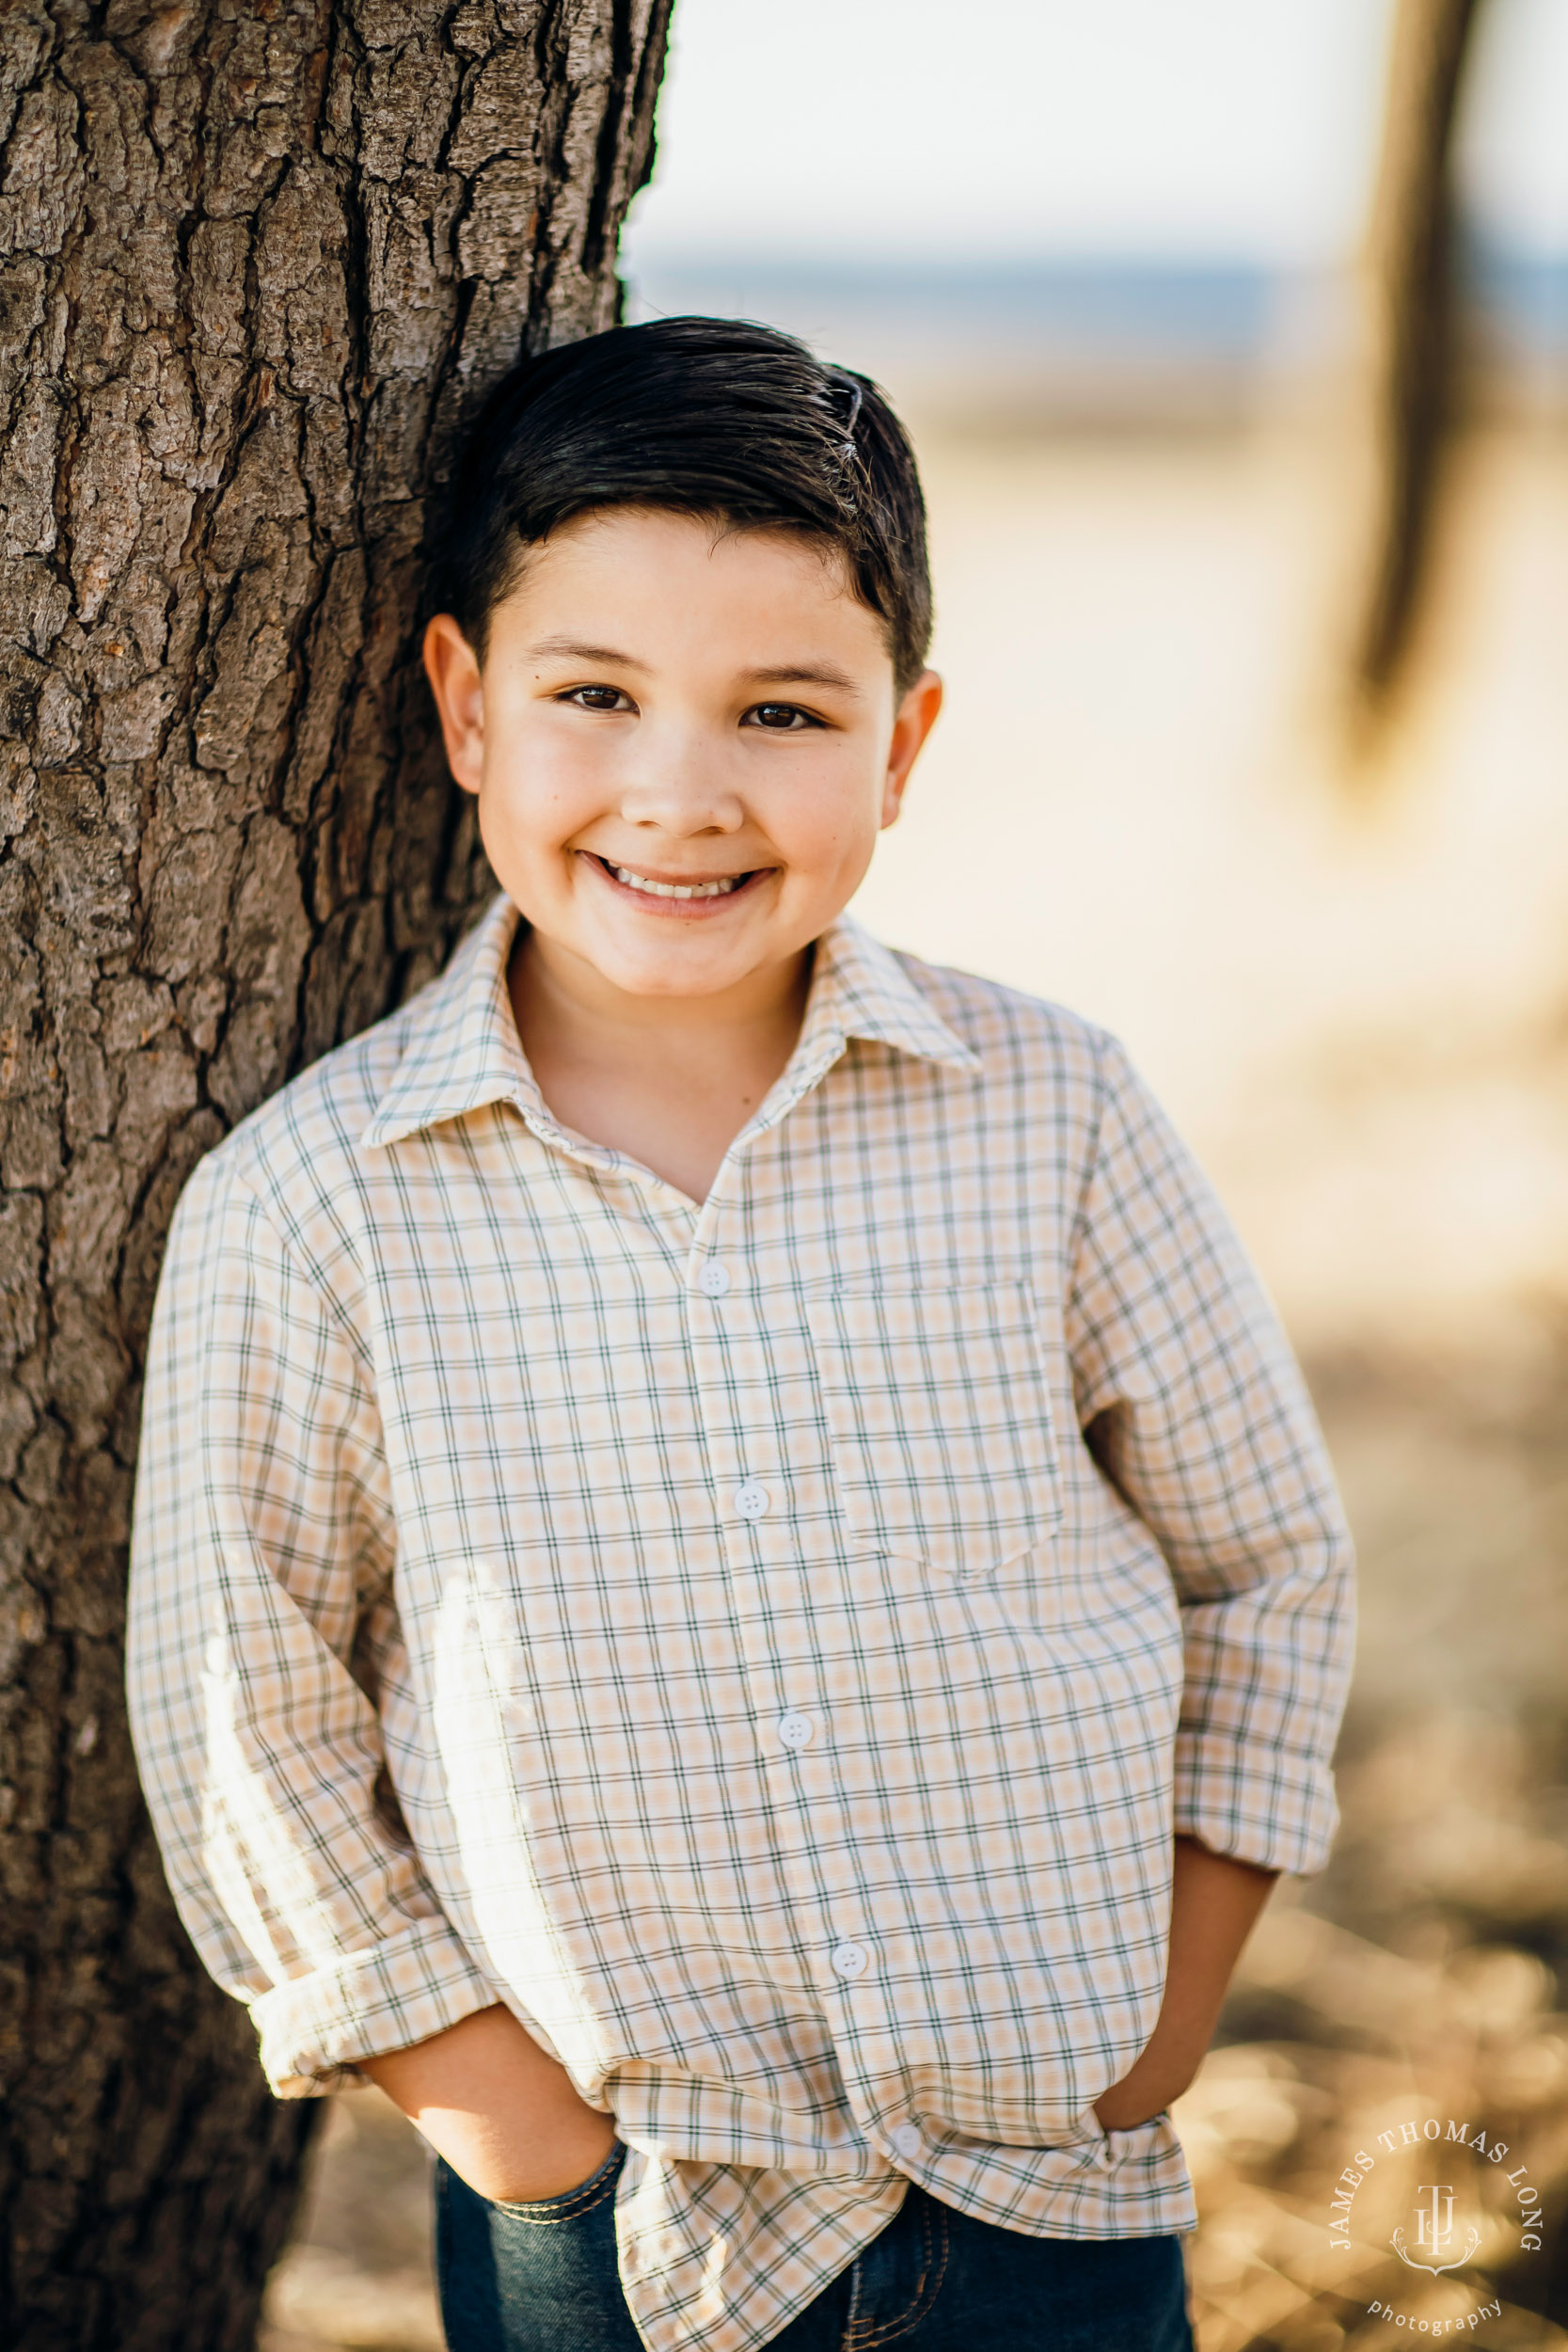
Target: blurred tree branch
1409,383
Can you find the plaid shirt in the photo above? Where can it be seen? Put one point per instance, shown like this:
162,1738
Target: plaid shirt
767,1645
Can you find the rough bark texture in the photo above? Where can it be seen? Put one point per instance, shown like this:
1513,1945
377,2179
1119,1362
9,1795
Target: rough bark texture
256,259
1410,381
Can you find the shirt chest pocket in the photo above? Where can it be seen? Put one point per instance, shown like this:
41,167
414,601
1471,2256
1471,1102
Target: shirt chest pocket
939,1418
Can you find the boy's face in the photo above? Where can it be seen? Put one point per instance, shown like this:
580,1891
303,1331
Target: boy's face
663,710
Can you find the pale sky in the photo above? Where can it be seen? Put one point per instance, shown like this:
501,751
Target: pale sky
1015,128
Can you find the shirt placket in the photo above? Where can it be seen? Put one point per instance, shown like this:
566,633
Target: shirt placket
756,1387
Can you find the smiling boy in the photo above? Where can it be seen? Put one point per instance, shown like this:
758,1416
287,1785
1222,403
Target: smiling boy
736,1597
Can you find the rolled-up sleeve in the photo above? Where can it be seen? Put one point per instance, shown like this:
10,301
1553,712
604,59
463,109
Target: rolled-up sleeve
262,1611
1195,1409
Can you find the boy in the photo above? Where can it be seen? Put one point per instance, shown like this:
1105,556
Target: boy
736,1597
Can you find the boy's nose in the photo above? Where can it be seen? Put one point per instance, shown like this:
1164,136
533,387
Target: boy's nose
681,795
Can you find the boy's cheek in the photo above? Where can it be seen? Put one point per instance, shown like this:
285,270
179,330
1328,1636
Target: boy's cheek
528,861
540,795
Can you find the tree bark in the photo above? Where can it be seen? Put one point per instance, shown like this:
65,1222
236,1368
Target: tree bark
258,258
1409,385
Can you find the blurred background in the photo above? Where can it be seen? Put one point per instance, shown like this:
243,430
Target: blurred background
1252,572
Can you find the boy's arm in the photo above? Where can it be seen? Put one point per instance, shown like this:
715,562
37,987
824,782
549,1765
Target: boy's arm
1195,1410
500,2110
1214,1902
260,1610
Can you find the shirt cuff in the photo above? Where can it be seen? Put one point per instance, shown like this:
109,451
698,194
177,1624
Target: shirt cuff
1258,1805
315,2028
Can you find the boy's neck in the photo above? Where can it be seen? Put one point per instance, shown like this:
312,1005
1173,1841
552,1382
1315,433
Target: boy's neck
671,1080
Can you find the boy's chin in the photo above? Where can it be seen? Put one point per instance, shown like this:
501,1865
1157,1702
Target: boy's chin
683,969
677,962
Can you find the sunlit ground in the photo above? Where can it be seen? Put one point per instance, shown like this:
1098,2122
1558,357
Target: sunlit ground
1352,986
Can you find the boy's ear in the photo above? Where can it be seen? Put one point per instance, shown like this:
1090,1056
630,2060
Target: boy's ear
451,666
916,716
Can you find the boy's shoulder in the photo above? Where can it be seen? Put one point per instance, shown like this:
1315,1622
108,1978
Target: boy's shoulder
304,1146
314,1139
1013,1034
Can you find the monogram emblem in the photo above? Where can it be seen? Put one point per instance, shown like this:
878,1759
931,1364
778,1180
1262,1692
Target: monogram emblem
1435,2234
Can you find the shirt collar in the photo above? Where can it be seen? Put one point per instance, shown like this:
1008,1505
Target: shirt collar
461,1050
860,989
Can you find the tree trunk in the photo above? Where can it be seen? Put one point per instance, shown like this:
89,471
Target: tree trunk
1409,385
257,259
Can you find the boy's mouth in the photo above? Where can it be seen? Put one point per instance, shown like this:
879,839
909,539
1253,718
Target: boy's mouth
703,889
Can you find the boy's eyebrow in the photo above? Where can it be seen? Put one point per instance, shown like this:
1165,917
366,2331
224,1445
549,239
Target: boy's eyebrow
789,674
821,673
575,649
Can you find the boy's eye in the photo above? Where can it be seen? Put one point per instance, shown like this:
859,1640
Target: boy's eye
780,718
599,698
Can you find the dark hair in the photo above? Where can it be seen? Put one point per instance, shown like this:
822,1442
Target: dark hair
710,417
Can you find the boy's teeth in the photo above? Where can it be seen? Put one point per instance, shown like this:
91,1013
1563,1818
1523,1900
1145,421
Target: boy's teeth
674,890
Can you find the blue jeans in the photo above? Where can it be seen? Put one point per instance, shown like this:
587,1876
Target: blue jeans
543,2278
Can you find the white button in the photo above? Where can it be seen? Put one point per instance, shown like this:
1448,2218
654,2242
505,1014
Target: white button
907,2140
850,1958
714,1278
796,1730
752,1501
